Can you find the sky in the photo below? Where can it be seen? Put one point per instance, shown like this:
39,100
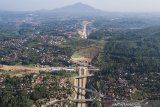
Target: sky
107,5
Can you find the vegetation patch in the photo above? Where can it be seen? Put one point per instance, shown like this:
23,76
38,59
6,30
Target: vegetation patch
75,56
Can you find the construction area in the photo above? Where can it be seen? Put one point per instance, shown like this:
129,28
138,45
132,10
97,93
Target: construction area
84,56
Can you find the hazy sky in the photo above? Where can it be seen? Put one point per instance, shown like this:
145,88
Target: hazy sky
108,5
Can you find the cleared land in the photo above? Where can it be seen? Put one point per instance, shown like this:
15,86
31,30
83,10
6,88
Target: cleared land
20,70
88,52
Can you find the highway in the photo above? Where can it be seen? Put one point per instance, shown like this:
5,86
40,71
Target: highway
84,32
80,83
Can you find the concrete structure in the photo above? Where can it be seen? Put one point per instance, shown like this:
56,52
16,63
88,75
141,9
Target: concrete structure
80,60
81,82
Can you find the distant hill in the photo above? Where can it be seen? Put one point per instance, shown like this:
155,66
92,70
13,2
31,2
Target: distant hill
78,9
83,11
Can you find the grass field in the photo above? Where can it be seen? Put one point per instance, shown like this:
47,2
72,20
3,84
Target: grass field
17,70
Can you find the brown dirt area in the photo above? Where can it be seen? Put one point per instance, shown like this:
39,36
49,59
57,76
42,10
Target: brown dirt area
17,70
89,52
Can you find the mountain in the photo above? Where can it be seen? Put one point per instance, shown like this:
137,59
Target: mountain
75,10
78,9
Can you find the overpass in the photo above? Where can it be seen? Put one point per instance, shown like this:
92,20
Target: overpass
67,69
79,86
88,90
80,83
68,100
85,76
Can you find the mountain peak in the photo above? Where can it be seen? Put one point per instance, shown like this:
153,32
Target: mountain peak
80,4
78,8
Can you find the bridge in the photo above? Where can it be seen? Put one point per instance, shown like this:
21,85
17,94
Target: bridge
66,69
89,90
80,83
67,100
85,76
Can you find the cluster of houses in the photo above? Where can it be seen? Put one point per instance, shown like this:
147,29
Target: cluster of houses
58,87
52,40
23,50
129,86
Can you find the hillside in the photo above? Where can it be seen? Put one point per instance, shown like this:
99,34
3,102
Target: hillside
78,9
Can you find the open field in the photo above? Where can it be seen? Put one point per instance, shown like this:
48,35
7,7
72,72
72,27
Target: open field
88,52
17,70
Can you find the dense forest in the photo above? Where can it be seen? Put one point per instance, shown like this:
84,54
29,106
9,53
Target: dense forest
133,50
130,57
